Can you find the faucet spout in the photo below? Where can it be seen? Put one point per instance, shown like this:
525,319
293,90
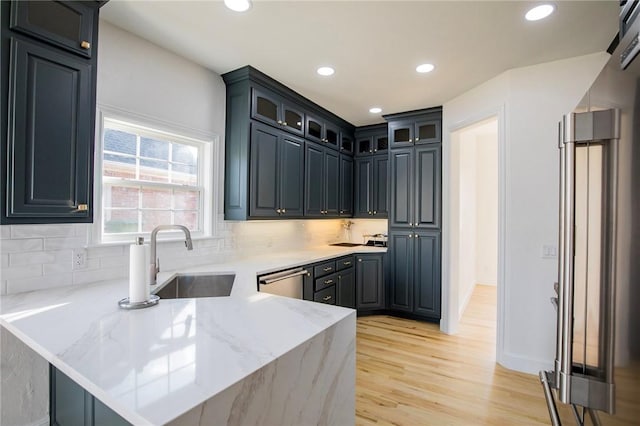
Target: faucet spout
154,267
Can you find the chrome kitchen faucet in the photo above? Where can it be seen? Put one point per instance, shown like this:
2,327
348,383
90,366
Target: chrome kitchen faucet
154,267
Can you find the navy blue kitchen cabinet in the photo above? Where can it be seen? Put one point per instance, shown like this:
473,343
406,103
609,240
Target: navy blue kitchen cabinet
255,99
415,187
322,181
346,288
372,187
277,166
372,140
414,284
49,58
370,282
346,186
71,405
415,128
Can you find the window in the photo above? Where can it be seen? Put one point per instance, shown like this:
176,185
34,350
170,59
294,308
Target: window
150,178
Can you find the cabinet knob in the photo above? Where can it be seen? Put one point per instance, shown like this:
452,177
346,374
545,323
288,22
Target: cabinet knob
369,212
417,236
326,298
410,224
410,235
284,211
278,211
85,44
370,151
284,123
375,212
279,121
82,207
410,140
359,260
375,150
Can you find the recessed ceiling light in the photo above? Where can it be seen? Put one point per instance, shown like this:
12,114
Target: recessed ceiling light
238,5
539,12
424,68
375,110
326,71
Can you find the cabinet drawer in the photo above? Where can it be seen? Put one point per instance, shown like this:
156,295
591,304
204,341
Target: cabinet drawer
328,295
344,263
324,269
326,281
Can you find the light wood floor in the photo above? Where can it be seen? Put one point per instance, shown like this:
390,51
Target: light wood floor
409,373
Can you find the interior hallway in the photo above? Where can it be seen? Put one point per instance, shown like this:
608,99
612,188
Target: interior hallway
409,373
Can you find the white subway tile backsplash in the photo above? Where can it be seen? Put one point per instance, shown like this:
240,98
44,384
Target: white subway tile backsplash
40,257
4,258
5,232
97,252
38,283
84,277
62,243
43,231
3,287
21,246
21,272
114,261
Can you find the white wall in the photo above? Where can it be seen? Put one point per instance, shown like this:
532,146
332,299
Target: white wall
487,207
529,103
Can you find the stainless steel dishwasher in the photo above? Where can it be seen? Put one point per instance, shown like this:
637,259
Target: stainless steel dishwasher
287,283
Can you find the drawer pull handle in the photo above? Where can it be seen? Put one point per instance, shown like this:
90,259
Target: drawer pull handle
82,208
327,269
346,263
326,298
327,282
85,44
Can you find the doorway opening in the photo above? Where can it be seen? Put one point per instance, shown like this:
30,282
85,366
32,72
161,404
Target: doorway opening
474,224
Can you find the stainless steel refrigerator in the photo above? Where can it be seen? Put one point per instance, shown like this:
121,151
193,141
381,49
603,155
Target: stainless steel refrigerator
597,363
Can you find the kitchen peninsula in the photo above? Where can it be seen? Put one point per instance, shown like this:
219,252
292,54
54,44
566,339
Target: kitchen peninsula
250,358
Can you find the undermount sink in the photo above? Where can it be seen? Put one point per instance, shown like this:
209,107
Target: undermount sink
345,244
193,285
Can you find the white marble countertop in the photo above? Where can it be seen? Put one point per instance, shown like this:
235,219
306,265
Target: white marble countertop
152,365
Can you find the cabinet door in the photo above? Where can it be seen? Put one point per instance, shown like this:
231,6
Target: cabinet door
50,138
69,402
401,187
314,180
105,416
428,132
69,25
401,274
263,192
427,187
401,134
291,180
265,106
380,186
346,185
426,270
380,144
369,282
364,145
332,136
332,183
346,291
346,144
315,129
292,119
364,192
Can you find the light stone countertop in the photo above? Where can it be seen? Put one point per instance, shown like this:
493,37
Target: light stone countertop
153,365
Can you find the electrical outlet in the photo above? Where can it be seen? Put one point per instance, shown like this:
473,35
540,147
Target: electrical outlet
549,252
79,259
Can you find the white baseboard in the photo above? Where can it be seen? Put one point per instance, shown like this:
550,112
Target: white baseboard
465,303
523,364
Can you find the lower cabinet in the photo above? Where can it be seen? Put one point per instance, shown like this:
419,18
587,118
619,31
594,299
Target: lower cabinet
370,281
415,285
346,288
71,405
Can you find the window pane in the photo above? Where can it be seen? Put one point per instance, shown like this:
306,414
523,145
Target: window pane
186,200
117,141
119,166
117,221
153,218
153,148
153,198
154,170
188,219
120,196
184,175
184,154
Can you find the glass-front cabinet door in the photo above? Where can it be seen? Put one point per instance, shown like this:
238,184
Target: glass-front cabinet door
315,129
69,25
332,136
346,144
428,132
401,134
381,144
265,107
293,119
364,146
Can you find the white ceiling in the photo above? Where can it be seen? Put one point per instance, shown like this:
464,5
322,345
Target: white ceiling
373,45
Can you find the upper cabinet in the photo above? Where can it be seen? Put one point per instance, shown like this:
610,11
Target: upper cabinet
415,128
372,140
272,109
65,24
285,156
48,86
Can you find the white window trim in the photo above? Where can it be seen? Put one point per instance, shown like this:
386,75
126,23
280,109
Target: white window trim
209,166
